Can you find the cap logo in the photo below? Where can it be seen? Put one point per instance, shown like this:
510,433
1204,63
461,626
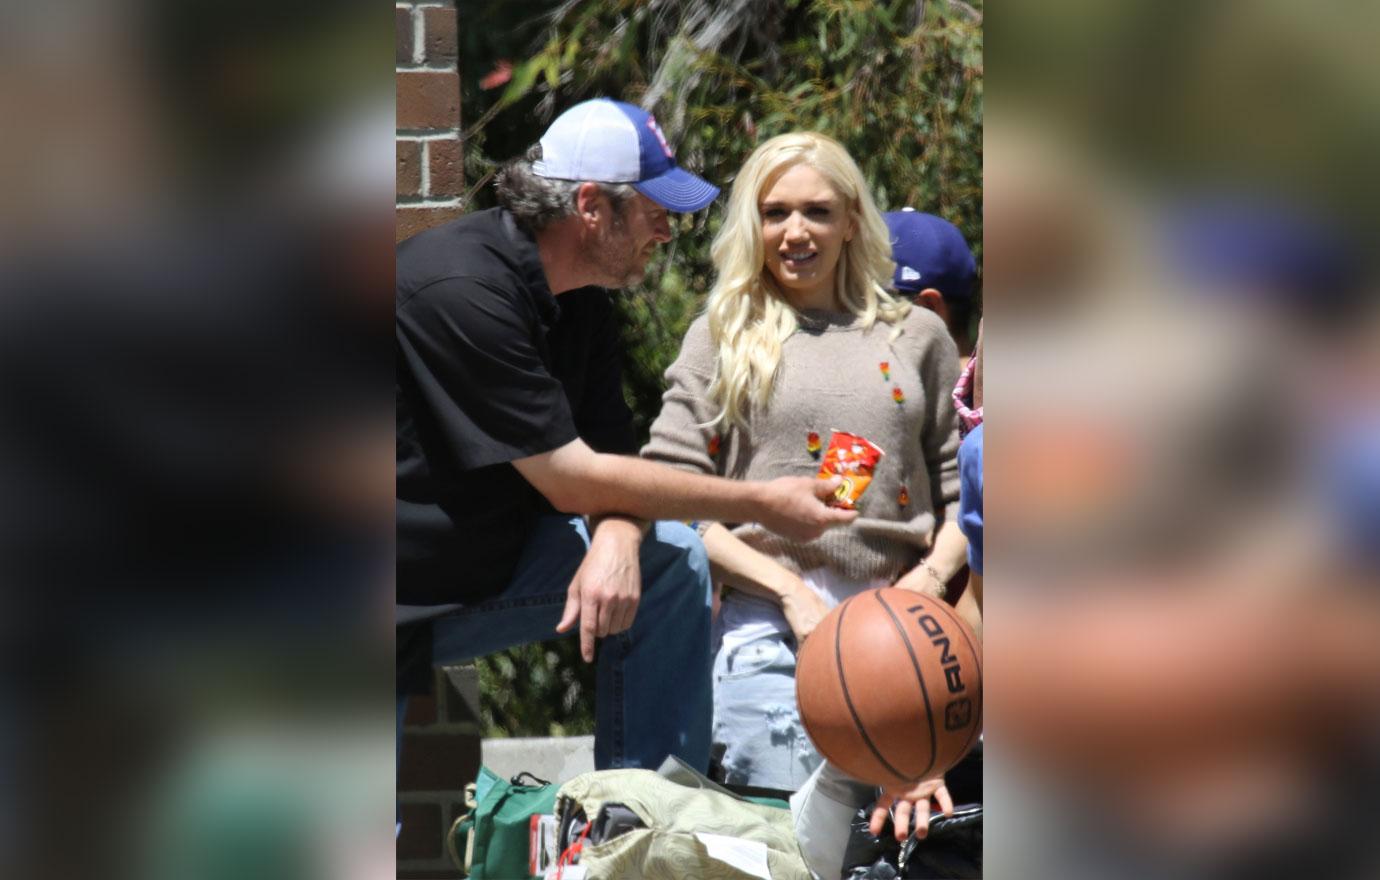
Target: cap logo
909,274
661,138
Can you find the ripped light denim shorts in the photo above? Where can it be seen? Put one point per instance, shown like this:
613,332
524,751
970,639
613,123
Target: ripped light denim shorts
755,714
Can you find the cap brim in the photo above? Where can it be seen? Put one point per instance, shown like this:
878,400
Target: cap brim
678,190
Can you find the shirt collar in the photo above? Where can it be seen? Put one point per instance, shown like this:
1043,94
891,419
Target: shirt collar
530,268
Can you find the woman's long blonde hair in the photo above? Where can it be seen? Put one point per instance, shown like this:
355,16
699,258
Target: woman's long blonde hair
749,317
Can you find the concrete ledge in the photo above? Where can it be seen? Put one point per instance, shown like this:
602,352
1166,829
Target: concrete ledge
553,758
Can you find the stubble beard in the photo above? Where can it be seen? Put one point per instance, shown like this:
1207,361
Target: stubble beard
614,256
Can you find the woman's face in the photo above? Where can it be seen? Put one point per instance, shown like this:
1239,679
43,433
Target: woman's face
805,224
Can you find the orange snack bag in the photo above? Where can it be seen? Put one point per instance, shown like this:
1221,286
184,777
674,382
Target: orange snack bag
853,458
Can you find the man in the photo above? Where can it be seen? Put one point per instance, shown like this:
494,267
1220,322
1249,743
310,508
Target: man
935,267
511,421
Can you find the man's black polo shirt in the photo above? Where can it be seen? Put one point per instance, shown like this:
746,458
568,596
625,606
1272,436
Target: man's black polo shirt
490,369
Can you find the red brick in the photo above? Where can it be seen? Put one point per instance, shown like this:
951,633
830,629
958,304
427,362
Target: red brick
438,762
402,35
411,221
409,171
441,42
428,100
422,835
447,168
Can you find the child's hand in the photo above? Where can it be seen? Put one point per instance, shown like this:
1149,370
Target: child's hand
902,803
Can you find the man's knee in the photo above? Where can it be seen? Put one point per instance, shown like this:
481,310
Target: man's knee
687,541
681,551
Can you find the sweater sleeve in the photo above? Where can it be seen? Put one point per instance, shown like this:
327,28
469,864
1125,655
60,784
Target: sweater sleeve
939,440
681,435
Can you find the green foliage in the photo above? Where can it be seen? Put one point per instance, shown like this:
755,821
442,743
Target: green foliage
537,690
898,82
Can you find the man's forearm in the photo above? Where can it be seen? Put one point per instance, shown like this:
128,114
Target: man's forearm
648,490
575,479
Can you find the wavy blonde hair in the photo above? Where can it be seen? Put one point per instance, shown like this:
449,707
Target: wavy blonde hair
749,316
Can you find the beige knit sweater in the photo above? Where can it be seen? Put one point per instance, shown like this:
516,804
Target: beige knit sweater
833,375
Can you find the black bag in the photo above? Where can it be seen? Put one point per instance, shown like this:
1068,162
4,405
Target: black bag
951,849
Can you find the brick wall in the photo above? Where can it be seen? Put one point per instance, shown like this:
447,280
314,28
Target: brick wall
440,756
440,749
430,168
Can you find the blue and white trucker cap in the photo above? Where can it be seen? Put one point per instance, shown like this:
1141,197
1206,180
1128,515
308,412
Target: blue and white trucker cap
608,141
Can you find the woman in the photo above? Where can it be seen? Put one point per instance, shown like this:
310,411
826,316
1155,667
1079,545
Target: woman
800,338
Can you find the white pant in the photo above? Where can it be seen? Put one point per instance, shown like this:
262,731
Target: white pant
823,811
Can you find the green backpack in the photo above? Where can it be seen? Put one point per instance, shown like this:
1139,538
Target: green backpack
496,839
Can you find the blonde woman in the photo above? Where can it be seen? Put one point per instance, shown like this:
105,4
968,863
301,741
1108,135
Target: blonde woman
801,337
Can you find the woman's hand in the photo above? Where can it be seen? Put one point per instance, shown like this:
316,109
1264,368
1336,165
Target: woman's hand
902,804
803,609
923,579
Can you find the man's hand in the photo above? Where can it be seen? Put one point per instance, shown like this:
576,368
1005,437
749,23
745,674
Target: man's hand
603,595
903,804
804,610
794,507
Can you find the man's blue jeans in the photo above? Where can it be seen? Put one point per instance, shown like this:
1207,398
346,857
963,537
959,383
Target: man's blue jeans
653,695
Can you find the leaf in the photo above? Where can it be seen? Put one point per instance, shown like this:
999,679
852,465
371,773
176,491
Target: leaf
524,76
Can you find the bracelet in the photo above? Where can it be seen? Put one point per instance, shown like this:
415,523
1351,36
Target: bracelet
943,584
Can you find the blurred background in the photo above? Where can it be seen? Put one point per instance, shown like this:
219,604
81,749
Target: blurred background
194,273
1182,632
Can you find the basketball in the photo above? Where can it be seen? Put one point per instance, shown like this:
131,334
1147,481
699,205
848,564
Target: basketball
890,687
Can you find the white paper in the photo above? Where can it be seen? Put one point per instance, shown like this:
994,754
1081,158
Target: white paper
748,856
569,872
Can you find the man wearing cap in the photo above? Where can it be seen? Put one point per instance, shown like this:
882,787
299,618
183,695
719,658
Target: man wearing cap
512,428
935,267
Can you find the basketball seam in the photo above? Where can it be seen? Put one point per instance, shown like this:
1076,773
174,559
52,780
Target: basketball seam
919,676
847,698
